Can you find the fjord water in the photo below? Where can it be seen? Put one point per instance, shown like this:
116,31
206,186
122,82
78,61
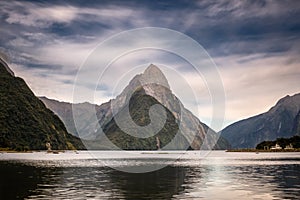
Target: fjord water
217,175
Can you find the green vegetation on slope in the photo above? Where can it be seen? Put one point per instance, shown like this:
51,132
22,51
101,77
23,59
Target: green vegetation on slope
281,121
25,122
283,142
139,106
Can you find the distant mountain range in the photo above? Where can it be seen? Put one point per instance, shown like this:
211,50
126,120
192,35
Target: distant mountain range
64,111
25,122
281,121
144,90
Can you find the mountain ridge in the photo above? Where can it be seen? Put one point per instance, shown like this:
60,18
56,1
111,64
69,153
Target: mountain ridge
154,84
281,120
25,122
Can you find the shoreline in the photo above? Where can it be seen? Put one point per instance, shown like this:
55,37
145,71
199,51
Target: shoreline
263,151
33,151
160,152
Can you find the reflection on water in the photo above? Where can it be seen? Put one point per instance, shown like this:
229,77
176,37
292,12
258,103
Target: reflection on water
219,177
242,182
19,181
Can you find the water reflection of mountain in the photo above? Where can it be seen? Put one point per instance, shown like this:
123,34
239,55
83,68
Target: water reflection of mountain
161,184
20,181
16,181
67,180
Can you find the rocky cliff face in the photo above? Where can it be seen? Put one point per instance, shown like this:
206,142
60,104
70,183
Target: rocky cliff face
282,120
143,137
65,113
25,122
149,87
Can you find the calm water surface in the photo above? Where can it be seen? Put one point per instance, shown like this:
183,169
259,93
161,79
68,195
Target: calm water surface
219,175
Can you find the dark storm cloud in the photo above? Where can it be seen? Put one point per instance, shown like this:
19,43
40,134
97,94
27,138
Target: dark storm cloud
243,27
243,36
45,66
223,27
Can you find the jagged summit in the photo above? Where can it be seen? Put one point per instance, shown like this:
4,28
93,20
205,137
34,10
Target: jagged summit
153,75
153,82
152,69
289,99
134,102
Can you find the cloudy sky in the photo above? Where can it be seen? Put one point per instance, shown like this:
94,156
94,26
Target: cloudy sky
254,44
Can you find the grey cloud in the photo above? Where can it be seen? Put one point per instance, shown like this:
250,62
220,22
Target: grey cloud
248,40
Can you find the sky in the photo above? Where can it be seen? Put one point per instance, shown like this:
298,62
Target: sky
254,44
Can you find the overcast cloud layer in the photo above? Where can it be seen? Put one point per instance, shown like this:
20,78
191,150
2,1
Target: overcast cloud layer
255,45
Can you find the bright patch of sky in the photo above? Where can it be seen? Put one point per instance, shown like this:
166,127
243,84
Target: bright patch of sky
255,45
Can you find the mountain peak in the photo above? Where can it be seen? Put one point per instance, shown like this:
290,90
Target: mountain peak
153,75
152,69
291,102
132,108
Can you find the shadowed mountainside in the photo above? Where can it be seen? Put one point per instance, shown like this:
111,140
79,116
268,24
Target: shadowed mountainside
143,91
25,122
281,121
